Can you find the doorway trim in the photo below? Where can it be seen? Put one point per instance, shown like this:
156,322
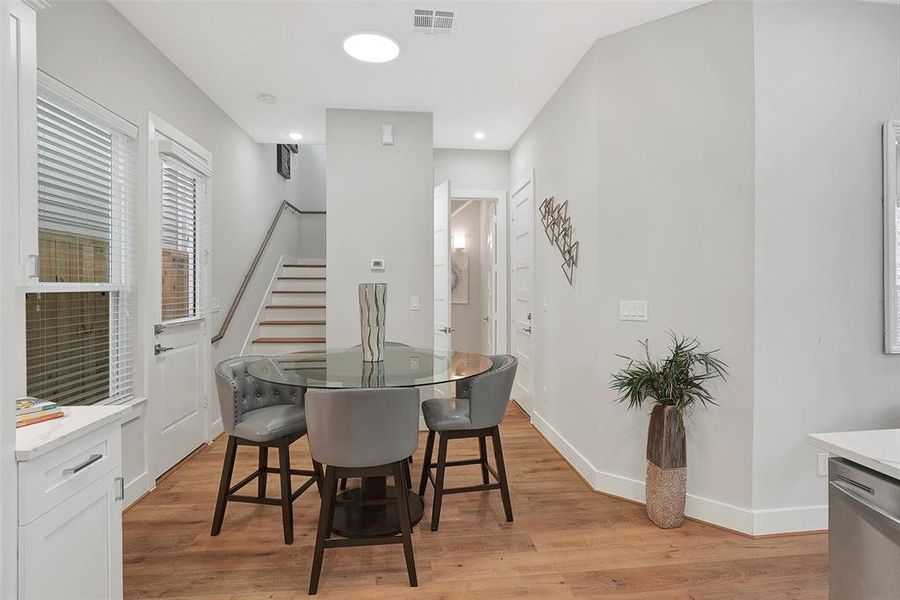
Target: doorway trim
501,198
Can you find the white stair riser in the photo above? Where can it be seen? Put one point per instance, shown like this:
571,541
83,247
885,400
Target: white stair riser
276,349
291,330
302,272
298,299
300,285
289,314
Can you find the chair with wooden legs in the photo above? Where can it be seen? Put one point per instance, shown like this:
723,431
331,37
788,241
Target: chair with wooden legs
476,412
264,415
362,433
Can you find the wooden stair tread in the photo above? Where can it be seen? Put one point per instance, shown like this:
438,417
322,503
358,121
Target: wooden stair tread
289,340
292,278
297,292
293,322
305,266
295,306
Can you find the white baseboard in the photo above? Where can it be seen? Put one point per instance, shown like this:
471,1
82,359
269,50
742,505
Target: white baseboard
136,488
736,518
215,428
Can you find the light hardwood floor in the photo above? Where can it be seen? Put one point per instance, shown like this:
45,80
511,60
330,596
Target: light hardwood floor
567,542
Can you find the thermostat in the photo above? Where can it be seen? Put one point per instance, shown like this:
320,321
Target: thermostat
378,264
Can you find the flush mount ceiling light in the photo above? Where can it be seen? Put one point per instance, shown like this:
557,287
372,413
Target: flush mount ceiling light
479,135
295,136
371,47
266,98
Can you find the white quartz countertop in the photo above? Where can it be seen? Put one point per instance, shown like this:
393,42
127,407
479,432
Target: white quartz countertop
34,440
878,449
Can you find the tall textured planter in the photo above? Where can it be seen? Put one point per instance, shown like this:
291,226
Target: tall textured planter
666,467
371,320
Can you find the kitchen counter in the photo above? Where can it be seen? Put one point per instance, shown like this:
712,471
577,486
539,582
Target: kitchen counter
878,449
34,440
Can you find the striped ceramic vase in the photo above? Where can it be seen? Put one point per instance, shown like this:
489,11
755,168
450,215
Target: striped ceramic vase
371,320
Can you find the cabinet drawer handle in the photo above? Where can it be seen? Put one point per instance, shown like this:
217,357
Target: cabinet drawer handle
91,460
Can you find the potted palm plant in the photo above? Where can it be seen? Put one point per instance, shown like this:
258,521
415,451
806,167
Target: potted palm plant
675,385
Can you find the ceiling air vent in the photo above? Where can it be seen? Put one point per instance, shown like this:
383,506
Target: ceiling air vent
432,21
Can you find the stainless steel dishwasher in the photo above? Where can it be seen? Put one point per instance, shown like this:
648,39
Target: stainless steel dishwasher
863,533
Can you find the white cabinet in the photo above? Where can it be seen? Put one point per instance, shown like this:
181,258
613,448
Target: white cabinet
70,505
75,549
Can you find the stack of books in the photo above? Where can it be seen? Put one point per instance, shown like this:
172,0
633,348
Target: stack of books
31,410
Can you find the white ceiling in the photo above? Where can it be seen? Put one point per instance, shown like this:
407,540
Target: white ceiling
493,72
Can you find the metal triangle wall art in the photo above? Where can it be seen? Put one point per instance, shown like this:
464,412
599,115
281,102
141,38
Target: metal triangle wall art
558,228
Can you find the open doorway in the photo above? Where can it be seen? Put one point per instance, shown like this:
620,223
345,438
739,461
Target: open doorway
477,266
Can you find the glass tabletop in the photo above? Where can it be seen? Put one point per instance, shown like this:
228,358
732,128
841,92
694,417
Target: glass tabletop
403,366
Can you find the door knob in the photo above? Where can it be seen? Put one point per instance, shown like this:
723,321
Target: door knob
159,349
485,318
526,330
446,330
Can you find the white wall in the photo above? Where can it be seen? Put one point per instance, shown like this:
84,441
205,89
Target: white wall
310,176
827,76
380,205
472,169
650,140
466,318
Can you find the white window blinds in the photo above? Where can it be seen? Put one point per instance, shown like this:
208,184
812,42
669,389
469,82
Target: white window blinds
79,320
183,228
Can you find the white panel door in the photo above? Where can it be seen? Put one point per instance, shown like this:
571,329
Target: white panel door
489,321
177,256
75,550
442,329
522,270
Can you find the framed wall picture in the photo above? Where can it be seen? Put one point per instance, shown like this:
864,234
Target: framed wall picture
283,164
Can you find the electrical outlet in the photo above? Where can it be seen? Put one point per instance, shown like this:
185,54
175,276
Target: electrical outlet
822,464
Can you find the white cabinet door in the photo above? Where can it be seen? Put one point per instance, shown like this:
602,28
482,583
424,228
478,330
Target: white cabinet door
75,550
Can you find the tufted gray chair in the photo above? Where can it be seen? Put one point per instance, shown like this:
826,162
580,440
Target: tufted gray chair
385,423
265,415
475,412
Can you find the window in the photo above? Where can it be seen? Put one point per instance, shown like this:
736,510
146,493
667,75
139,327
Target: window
181,189
79,318
892,237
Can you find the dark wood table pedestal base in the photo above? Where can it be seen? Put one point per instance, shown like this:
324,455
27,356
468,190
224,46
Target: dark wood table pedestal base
362,521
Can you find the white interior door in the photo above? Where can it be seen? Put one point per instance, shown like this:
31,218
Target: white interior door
442,328
177,277
491,261
522,276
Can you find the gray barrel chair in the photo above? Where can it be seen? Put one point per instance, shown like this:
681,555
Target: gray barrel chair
366,432
475,412
343,484
264,415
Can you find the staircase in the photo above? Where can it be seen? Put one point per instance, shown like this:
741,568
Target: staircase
293,319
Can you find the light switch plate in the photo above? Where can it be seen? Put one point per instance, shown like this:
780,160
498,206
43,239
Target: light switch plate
387,134
633,310
413,303
215,305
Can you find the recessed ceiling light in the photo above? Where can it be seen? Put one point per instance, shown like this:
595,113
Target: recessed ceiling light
266,98
371,47
295,136
479,135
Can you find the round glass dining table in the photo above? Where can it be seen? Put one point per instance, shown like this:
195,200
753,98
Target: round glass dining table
403,366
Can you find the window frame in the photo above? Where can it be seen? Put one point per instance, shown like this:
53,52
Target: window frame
891,202
124,287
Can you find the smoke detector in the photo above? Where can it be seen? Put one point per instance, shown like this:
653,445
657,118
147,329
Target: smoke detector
433,21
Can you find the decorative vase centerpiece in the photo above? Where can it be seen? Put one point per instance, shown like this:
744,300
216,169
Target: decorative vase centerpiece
371,320
675,384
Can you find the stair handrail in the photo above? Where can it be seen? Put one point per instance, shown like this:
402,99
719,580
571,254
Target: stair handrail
285,205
